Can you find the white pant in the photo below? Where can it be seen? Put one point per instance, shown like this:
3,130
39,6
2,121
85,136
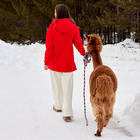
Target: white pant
62,87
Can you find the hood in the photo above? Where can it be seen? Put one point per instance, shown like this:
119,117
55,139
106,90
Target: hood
64,25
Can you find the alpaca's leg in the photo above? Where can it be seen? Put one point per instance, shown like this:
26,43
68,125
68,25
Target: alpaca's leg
100,120
108,113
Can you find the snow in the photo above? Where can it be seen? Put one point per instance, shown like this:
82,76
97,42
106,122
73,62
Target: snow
26,97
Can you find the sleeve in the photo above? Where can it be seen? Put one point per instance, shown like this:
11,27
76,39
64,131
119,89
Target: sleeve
49,43
78,43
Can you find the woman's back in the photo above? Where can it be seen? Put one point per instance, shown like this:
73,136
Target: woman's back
62,34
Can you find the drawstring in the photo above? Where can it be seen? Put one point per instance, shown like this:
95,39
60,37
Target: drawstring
86,60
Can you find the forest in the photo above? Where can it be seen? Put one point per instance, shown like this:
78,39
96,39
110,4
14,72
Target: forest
26,21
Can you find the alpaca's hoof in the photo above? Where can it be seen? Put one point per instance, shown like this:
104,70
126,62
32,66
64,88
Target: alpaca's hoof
98,134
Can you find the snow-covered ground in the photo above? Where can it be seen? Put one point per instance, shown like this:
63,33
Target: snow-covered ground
26,98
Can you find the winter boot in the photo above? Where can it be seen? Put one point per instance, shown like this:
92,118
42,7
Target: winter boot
57,110
67,119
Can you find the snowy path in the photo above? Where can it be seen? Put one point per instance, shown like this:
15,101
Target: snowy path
26,99
26,111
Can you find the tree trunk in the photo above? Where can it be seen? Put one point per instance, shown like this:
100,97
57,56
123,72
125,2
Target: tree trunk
114,35
137,33
108,36
118,30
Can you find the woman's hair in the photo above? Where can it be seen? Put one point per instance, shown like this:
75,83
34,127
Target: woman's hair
62,11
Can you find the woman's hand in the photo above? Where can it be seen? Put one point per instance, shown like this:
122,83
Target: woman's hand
46,67
87,55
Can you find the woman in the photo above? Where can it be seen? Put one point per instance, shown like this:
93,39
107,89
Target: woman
59,58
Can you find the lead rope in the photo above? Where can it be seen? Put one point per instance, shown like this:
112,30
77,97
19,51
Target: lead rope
86,60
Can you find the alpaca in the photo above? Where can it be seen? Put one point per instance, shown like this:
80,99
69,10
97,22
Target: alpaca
103,84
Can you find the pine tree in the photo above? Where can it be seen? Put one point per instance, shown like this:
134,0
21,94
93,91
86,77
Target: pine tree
26,21
120,16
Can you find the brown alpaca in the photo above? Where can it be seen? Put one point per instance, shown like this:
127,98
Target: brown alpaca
103,85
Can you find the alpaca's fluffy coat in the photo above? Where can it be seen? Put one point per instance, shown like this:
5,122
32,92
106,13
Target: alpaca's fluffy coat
103,84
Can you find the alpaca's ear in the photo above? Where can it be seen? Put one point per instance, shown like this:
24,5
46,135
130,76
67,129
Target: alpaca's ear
102,36
86,36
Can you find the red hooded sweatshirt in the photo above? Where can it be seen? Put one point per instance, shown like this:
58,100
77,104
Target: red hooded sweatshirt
60,37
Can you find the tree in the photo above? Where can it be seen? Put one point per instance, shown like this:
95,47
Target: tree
26,21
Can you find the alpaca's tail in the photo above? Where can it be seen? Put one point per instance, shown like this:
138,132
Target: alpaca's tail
104,88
